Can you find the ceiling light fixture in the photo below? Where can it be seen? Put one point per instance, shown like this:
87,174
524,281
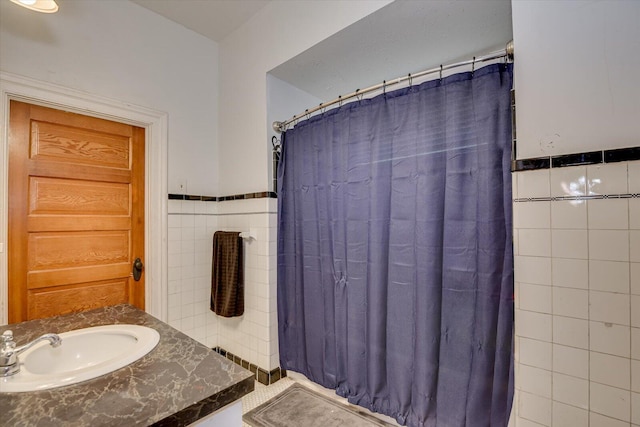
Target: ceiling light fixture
45,6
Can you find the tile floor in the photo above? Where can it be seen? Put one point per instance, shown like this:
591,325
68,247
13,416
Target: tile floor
262,393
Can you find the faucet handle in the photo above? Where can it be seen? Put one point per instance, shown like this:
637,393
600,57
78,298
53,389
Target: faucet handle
7,336
6,341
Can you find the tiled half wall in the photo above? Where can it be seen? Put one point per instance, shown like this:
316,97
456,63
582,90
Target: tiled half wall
192,223
577,295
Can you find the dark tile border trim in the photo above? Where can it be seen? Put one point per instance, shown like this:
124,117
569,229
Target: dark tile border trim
591,158
261,375
531,164
246,196
576,159
622,155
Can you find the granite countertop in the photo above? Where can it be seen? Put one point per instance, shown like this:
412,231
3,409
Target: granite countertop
177,383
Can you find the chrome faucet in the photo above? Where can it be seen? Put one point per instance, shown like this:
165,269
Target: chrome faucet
9,352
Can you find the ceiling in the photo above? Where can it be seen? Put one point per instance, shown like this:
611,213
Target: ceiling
214,19
400,38
405,36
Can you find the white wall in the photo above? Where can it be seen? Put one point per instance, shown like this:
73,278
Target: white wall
281,30
283,101
577,265
119,50
576,75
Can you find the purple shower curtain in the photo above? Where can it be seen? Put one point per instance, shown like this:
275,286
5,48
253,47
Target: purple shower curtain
395,264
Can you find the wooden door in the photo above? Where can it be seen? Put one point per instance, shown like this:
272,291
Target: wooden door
76,212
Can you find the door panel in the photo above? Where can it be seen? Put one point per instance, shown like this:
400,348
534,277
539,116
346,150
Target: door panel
76,212
54,197
48,251
73,298
67,144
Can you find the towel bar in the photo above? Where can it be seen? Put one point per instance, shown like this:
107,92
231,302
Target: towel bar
251,234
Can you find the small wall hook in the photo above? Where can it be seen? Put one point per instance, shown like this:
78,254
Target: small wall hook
275,143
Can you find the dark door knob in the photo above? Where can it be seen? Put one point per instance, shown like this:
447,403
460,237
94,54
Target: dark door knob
137,269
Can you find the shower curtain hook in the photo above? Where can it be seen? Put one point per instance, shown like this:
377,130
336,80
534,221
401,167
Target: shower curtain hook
339,100
322,108
306,113
440,71
358,96
473,65
384,87
410,80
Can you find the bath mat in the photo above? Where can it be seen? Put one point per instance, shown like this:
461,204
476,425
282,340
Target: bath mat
298,406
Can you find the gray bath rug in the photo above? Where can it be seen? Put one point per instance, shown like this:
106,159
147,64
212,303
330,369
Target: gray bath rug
298,406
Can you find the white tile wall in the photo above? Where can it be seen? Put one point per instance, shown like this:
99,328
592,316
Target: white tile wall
570,244
252,336
533,408
570,361
610,401
568,181
533,184
570,273
566,214
607,179
569,416
609,245
535,353
609,276
609,338
635,344
535,298
570,331
605,214
571,302
597,420
577,272
634,214
571,390
534,270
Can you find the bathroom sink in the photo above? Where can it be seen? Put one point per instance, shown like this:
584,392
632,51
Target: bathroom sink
84,354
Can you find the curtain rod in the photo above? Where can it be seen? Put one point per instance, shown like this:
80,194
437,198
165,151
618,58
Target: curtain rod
506,52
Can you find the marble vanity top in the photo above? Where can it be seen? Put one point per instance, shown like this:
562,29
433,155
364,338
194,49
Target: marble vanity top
176,384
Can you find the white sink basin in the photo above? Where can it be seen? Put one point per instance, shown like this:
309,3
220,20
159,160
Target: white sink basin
83,355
